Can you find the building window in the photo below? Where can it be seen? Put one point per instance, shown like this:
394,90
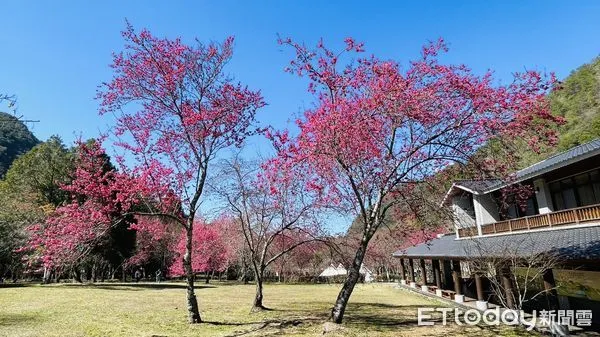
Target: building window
513,210
577,191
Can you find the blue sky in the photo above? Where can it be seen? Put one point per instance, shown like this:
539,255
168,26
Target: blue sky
55,54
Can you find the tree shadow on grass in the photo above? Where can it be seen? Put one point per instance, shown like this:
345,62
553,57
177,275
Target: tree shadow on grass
278,326
16,285
367,317
379,308
382,317
358,314
20,284
16,319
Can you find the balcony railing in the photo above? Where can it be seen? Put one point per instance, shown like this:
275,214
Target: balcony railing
558,218
564,217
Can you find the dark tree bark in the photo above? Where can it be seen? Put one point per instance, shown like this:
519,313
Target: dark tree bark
337,313
192,302
77,275
258,298
244,269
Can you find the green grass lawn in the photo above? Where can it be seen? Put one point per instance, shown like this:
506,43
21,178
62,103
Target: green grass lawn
146,309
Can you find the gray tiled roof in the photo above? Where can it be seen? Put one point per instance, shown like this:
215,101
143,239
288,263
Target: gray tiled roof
558,160
583,150
485,186
479,186
568,243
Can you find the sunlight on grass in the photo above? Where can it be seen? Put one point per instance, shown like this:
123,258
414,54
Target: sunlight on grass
146,309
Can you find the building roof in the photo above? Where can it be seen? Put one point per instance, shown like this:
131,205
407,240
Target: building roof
477,186
471,186
551,163
576,153
580,243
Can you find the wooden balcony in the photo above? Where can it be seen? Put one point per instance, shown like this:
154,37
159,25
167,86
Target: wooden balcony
464,232
559,218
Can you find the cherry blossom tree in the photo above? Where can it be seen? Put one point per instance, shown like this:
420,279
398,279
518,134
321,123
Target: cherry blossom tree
175,110
96,208
156,240
275,211
210,250
379,132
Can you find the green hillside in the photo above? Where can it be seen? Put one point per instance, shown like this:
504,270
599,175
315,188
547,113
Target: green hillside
578,102
15,139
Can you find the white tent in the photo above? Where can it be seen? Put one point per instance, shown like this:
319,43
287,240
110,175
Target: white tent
340,271
329,271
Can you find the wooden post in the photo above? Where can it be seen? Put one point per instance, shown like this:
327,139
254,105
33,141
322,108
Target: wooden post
423,271
550,287
411,269
402,271
436,273
479,287
456,277
507,285
447,270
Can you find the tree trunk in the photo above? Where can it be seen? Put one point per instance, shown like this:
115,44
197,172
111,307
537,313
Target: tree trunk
192,302
245,271
46,277
337,313
77,275
258,299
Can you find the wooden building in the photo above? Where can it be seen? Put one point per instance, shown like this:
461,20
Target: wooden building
561,220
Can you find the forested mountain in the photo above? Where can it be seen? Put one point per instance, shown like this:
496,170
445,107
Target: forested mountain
578,102
15,139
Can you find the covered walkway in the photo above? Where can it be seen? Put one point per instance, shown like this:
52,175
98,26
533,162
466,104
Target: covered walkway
441,266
